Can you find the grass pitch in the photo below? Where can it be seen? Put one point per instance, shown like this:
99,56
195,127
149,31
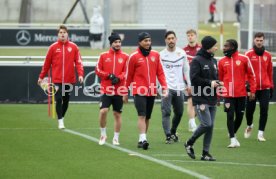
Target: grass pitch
32,147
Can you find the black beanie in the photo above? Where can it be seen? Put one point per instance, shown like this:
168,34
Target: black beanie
208,42
143,35
114,36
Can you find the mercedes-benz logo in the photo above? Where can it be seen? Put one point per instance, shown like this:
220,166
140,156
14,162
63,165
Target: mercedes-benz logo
23,37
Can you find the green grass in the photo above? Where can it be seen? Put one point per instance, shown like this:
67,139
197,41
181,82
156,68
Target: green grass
31,146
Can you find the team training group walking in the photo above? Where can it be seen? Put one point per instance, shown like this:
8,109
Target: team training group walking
192,73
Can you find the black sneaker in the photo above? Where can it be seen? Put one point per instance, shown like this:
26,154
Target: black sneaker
145,145
189,150
168,140
174,137
207,157
140,144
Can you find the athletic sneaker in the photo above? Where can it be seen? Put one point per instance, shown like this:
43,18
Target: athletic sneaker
145,145
234,143
61,124
248,132
261,138
207,157
174,137
168,140
102,140
115,141
140,144
189,150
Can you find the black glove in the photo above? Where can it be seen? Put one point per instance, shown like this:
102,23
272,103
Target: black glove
271,93
247,85
115,80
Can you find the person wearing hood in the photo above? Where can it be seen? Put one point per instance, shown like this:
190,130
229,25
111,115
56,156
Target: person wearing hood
263,67
144,66
234,69
204,79
111,68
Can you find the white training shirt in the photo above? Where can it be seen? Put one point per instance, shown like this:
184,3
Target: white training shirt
175,66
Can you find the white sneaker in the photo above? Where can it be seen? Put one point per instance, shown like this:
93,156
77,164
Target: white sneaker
115,141
102,140
248,132
261,138
234,143
237,143
61,124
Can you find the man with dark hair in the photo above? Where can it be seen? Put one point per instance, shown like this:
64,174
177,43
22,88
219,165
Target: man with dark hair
191,50
176,66
111,68
144,65
263,67
64,57
233,70
204,79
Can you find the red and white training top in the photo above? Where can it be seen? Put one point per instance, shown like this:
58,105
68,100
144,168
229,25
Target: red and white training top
263,68
63,57
191,51
234,72
112,62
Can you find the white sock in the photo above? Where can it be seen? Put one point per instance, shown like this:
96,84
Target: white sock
103,131
116,135
60,120
142,137
251,126
192,122
260,133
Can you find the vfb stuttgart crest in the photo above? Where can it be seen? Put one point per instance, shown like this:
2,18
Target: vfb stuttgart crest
120,60
152,59
265,58
69,49
238,62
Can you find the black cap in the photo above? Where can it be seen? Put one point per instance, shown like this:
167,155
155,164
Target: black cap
143,35
114,36
208,42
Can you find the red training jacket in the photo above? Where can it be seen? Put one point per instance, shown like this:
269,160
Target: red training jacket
263,68
62,57
234,72
112,62
142,72
191,51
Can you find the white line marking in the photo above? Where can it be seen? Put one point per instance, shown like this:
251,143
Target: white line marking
130,152
46,128
226,163
169,155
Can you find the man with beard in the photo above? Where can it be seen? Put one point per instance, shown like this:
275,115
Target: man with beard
262,64
204,79
233,70
191,50
111,68
143,67
176,66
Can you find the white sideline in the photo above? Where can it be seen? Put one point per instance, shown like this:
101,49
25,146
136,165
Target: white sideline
226,163
161,162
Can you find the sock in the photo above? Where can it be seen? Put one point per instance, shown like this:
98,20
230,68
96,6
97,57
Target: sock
260,133
233,139
103,131
142,137
116,135
204,152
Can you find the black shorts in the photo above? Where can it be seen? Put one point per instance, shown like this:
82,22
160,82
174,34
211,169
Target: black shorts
116,101
144,105
95,37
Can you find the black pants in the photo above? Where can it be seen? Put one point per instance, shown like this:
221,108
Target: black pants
234,107
263,97
62,99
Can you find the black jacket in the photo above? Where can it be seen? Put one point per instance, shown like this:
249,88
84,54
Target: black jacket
203,70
